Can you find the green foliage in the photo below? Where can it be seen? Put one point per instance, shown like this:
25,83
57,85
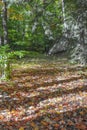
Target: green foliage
6,57
32,54
4,49
28,24
4,62
37,25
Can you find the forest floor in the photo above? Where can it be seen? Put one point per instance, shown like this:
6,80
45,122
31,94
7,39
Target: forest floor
50,95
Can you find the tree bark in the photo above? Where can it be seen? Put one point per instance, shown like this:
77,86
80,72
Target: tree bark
4,23
0,40
63,12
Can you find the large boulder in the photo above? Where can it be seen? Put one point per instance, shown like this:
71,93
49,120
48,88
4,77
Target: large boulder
79,54
59,46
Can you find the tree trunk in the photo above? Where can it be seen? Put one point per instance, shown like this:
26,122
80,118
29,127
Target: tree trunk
0,40
1,30
4,23
5,60
63,12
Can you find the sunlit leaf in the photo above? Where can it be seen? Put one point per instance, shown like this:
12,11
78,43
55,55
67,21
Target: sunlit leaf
21,128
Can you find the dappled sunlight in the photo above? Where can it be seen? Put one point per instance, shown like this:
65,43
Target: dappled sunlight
41,98
43,65
60,104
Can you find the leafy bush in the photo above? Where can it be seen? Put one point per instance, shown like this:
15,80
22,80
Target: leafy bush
6,58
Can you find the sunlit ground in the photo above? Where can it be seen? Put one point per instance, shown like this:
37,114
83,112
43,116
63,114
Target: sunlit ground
44,96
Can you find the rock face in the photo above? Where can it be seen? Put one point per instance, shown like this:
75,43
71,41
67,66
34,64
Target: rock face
74,39
60,46
79,54
75,44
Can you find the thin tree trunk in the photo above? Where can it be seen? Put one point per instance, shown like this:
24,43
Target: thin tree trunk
1,30
4,23
63,12
23,31
0,40
5,64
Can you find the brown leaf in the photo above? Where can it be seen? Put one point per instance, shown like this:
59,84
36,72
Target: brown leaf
44,123
1,117
81,126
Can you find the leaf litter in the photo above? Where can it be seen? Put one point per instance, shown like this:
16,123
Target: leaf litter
44,98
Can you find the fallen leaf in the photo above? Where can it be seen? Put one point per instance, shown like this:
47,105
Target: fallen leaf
21,128
44,123
81,126
1,117
56,125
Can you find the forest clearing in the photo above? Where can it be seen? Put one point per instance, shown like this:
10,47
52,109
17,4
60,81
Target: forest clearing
43,64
